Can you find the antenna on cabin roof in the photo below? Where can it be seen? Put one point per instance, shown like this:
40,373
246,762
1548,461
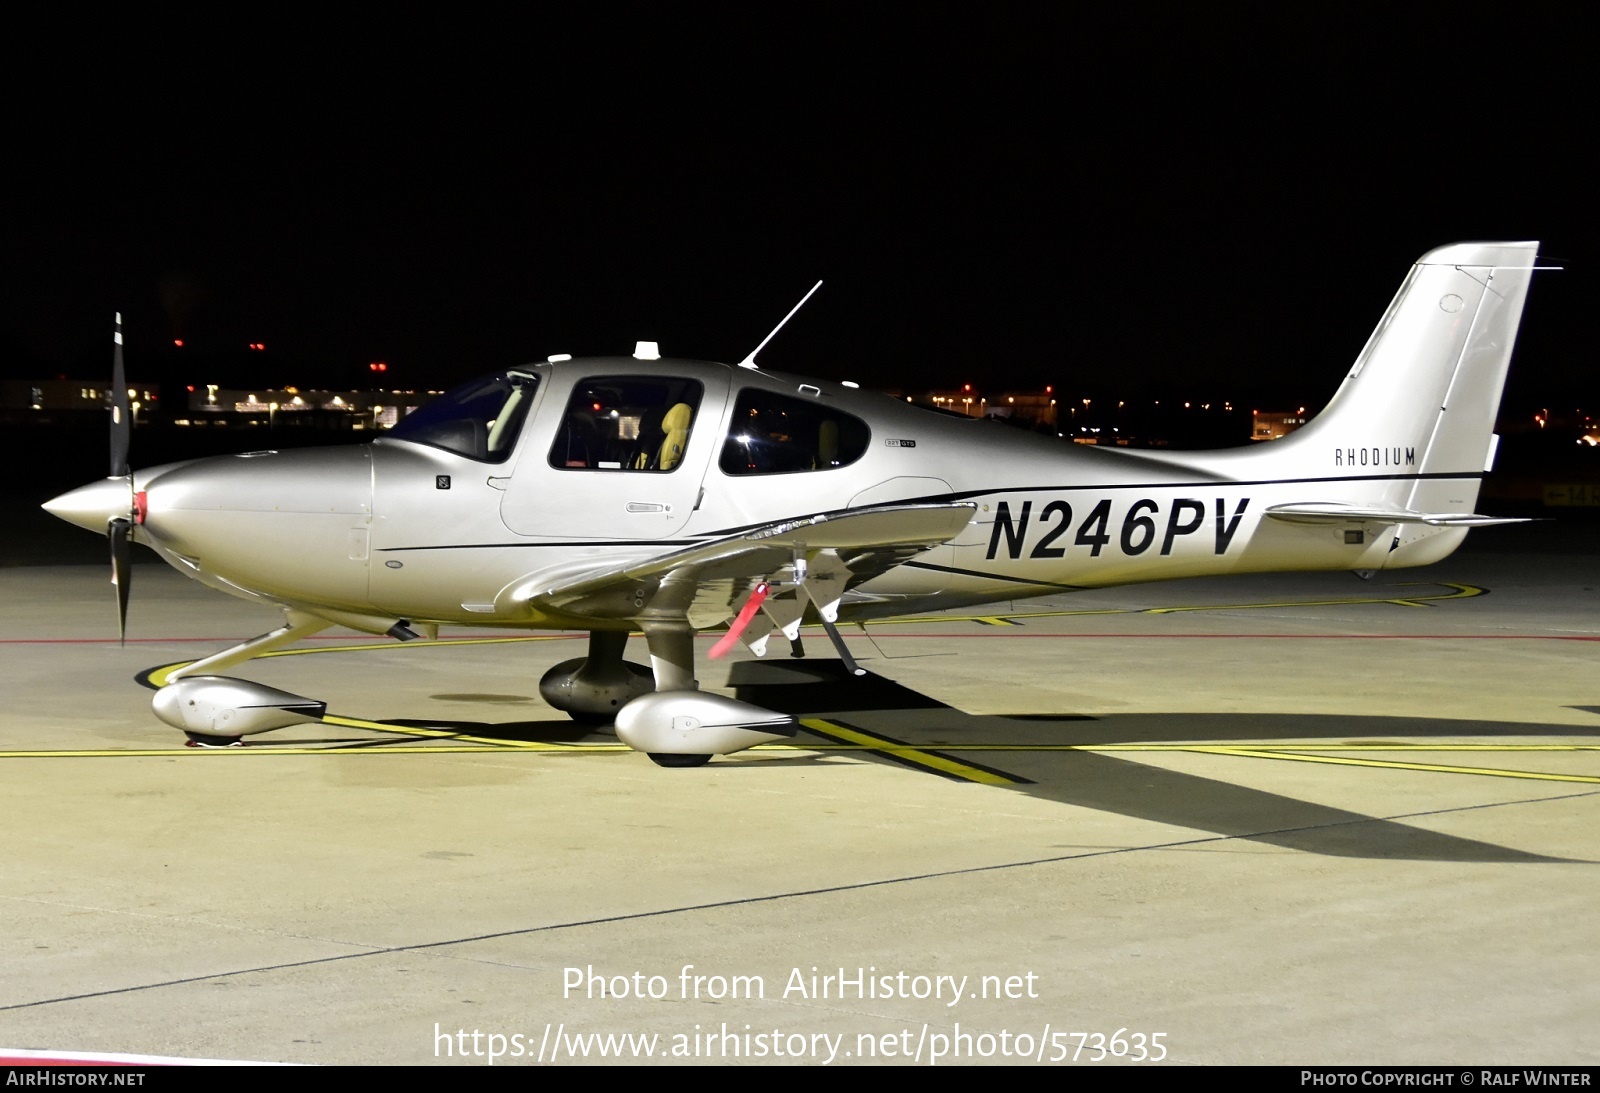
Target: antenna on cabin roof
750,360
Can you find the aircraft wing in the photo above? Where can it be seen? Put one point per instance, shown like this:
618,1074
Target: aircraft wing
812,559
1326,512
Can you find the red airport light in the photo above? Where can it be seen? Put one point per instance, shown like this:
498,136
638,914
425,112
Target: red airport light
178,342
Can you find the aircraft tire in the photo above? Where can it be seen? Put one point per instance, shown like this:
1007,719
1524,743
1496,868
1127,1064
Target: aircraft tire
674,759
208,740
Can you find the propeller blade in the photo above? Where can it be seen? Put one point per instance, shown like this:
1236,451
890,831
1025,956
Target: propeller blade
121,411
118,532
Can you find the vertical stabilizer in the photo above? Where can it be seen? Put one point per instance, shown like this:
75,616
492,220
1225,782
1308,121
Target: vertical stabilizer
1410,432
1417,410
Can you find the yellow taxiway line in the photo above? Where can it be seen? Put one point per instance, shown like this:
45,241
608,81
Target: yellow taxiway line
1390,764
844,738
157,677
934,762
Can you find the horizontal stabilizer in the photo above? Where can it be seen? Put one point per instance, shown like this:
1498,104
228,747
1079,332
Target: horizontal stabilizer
1332,512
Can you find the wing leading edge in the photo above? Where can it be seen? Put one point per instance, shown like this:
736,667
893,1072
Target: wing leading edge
811,560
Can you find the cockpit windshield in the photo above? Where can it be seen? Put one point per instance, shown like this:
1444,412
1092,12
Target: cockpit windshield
479,420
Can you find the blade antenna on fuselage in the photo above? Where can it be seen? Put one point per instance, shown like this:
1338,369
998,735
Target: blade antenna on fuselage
750,359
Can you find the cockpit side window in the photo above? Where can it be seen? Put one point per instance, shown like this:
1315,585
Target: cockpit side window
479,420
777,434
626,423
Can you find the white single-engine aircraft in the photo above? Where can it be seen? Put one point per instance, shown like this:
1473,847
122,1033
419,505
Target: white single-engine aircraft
622,494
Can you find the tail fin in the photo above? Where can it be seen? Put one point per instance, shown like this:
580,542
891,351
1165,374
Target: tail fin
1407,438
1419,405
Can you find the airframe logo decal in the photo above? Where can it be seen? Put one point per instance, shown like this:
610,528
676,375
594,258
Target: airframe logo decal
1375,457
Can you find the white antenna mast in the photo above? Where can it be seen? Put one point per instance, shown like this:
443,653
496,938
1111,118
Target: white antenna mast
750,360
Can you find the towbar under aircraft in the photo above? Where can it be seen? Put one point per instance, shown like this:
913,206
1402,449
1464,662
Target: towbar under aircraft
624,494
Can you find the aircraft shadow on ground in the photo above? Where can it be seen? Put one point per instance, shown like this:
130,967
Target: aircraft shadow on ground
822,688
563,731
818,688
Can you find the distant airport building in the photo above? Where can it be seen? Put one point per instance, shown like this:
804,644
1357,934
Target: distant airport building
1275,424
61,401
1035,408
1031,407
24,399
217,406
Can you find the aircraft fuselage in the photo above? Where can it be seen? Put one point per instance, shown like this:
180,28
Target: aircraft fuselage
402,529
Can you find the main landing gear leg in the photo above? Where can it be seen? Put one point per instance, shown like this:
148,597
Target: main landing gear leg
672,657
672,661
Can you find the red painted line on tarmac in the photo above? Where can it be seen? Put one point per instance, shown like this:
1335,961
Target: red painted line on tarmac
1282,637
19,1058
877,635
880,636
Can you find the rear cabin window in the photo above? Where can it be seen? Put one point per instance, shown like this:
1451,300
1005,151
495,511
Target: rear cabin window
777,434
627,423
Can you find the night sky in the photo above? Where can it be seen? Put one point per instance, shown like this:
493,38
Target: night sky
1034,196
